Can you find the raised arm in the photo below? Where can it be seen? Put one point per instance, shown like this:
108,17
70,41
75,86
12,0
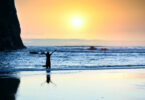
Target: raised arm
52,52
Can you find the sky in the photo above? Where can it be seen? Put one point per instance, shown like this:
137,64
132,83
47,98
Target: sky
82,19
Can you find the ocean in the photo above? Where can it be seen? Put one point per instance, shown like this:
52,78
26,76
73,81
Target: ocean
74,58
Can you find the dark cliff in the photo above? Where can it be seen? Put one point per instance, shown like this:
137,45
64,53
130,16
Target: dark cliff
9,26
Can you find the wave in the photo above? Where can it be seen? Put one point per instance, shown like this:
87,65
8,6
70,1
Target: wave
74,58
65,68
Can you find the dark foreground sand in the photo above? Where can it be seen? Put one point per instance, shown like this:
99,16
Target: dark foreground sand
82,85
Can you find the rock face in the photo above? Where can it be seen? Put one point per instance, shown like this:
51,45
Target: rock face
9,26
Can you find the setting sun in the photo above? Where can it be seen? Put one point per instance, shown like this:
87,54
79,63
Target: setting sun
76,22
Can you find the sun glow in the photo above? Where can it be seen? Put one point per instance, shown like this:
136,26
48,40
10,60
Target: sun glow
77,22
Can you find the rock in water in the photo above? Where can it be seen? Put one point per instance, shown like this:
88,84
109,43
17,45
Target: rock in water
9,26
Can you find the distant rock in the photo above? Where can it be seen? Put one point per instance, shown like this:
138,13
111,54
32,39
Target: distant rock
104,49
92,48
9,26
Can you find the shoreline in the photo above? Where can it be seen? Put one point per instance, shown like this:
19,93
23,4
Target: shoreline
65,69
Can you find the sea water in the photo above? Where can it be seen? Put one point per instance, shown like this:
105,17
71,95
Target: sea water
74,58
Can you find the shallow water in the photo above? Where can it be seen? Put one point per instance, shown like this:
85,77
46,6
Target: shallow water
74,85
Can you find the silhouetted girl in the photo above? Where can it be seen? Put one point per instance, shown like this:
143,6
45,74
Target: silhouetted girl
48,60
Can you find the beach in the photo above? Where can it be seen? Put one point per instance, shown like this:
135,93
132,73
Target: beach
120,84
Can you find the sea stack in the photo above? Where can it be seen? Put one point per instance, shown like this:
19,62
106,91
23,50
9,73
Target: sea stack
9,26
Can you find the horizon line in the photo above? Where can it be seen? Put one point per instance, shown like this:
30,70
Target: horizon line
82,39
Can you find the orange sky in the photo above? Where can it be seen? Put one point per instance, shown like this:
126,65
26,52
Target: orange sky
102,19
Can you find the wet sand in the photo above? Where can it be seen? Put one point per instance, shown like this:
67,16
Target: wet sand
82,85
